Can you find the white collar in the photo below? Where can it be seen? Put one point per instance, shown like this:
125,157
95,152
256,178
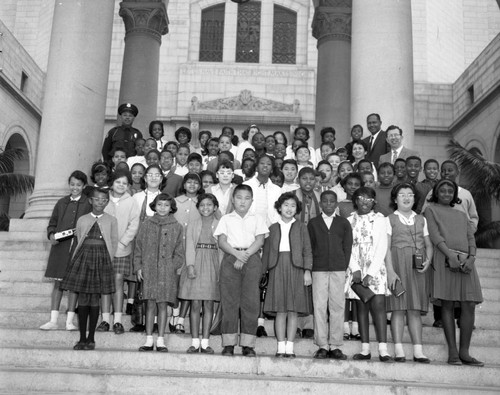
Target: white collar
283,223
328,216
96,216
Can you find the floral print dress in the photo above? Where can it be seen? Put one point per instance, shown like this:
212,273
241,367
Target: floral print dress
369,247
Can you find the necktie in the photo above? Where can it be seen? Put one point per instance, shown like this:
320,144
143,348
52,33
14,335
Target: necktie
394,156
371,142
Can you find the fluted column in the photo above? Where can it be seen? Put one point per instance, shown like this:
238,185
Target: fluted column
75,98
332,28
145,23
382,64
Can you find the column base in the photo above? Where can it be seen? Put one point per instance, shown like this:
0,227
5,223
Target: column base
42,202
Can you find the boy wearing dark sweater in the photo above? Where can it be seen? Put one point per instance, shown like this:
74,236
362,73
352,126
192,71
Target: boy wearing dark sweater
331,242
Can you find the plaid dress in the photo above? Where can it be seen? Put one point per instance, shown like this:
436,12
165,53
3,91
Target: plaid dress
91,269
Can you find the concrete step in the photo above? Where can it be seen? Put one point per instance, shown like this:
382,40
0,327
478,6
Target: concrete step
36,380
433,340
19,380
37,236
36,255
24,245
23,264
266,367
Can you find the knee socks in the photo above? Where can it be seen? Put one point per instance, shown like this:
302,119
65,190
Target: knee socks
94,316
83,314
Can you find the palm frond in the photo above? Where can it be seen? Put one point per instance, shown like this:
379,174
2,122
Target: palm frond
487,234
483,175
8,157
12,184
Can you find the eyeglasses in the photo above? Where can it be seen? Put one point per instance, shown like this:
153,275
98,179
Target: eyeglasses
153,175
406,195
99,200
363,199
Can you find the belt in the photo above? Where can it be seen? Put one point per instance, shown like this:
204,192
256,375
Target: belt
208,246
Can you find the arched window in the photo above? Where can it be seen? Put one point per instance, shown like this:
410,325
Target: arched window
284,35
248,32
212,33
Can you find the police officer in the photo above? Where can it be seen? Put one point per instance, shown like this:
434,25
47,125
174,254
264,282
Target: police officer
123,136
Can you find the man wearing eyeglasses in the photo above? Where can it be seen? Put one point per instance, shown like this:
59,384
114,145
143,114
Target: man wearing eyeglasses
173,181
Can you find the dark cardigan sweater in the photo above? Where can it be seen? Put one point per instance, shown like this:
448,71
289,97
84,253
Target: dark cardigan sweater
331,247
300,246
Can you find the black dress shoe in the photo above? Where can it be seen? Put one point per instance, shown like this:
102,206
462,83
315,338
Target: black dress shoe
179,329
171,328
118,328
401,359
79,346
337,354
89,346
321,354
291,356
280,355
248,352
438,324
228,351
472,362
103,327
192,350
138,328
208,350
308,333
385,358
261,331
355,337
161,349
421,360
146,348
128,310
361,357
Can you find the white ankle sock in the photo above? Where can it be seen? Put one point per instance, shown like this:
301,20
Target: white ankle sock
160,342
54,315
149,341
354,328
347,328
365,348
289,347
281,347
195,342
69,317
382,349
398,350
105,317
204,343
130,301
417,351
180,321
118,318
260,322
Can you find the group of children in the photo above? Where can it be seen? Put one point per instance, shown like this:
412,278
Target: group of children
194,238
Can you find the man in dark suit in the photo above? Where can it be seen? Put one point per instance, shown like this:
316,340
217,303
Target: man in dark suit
377,142
398,150
173,181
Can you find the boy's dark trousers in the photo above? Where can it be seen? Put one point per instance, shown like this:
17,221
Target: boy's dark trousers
240,298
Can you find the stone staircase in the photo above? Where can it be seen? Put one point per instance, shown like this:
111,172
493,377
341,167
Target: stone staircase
32,360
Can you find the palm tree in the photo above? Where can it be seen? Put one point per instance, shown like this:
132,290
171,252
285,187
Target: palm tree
12,184
483,183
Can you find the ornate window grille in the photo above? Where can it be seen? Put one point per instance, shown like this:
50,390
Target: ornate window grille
248,32
284,35
212,33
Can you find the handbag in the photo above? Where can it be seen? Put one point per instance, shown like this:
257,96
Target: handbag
364,293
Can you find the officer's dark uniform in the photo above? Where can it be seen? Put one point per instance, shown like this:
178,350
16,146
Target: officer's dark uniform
122,136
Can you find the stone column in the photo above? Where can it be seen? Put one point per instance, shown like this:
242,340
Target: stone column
382,64
145,23
75,98
332,28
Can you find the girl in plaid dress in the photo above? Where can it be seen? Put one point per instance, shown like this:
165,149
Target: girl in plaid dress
90,273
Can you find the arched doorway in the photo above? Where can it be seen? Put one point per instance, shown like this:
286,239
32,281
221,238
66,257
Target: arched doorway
15,206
